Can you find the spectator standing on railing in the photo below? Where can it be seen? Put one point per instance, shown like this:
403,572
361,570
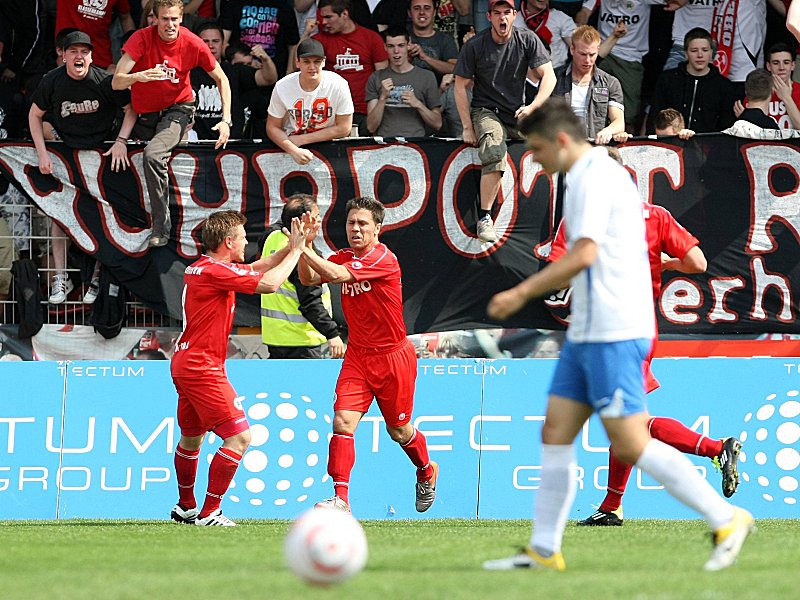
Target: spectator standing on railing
311,105
206,399
243,79
594,95
497,61
351,50
84,112
695,88
95,19
402,100
155,66
296,319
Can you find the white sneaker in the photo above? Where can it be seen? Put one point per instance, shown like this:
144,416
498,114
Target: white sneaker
728,540
184,515
334,503
486,232
91,294
527,558
215,519
60,288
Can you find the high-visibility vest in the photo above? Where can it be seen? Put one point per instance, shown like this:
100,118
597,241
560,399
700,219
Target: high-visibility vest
282,323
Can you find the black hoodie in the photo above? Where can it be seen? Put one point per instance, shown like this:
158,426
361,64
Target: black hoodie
705,102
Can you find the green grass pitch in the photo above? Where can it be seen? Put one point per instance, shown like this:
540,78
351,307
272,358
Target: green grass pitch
415,560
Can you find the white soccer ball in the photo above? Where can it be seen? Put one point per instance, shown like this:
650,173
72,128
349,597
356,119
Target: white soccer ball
326,546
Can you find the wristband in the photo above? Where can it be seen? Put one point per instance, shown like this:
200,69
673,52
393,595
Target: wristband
122,139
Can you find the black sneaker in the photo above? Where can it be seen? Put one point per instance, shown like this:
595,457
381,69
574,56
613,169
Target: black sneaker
726,461
604,518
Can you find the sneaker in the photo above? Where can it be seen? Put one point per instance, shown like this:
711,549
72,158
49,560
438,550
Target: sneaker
91,294
527,558
486,232
60,288
726,461
728,540
334,503
156,241
184,515
604,518
426,490
215,519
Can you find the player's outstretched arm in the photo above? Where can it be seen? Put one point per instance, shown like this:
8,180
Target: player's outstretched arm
554,276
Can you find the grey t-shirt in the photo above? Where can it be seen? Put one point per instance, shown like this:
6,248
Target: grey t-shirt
400,119
499,70
439,46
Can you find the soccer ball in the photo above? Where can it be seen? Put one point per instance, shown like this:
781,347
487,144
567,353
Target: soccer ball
325,546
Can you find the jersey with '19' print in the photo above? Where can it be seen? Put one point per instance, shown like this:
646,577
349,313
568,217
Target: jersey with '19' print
373,303
209,301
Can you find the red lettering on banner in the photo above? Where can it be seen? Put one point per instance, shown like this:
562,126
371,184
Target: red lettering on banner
677,296
720,288
645,159
762,282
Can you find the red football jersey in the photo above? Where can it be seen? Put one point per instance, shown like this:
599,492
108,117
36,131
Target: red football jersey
209,301
93,19
373,304
664,234
176,59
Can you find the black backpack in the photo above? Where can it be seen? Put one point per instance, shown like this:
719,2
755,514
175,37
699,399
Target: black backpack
29,297
109,313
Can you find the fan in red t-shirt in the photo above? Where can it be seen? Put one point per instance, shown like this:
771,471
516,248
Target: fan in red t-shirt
206,399
155,65
380,362
670,247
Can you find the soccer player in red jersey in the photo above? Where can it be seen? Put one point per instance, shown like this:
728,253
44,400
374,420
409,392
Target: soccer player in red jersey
665,236
380,361
206,399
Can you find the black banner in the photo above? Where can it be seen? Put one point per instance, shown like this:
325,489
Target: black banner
739,197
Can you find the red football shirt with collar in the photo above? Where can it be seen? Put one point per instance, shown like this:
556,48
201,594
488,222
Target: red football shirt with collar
176,59
209,301
373,303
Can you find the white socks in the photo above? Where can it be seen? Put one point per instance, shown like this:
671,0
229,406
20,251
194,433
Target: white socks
680,478
554,498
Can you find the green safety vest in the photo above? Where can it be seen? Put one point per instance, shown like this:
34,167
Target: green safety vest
282,323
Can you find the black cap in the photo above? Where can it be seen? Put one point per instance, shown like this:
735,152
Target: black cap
310,47
75,38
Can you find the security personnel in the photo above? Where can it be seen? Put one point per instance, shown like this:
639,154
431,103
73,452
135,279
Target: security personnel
296,319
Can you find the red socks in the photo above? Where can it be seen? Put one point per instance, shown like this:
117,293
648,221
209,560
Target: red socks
618,474
341,458
417,450
186,473
220,473
679,436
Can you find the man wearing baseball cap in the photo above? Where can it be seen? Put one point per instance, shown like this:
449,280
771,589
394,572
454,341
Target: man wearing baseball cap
310,105
497,61
83,112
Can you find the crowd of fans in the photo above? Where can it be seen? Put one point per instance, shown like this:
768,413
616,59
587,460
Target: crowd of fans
303,72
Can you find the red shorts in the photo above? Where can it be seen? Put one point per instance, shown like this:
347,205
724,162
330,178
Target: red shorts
209,403
389,378
650,381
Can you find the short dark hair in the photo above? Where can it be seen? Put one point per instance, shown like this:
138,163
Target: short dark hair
296,205
337,6
553,116
698,33
668,117
236,48
220,225
758,85
396,31
211,25
368,203
781,47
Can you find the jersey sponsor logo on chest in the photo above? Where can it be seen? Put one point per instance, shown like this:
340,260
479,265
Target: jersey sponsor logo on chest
354,289
627,19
